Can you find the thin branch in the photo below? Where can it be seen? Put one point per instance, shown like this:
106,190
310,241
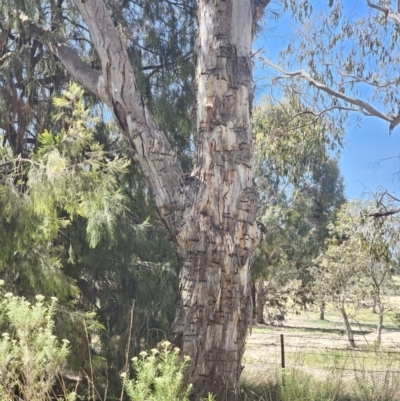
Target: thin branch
378,215
5,57
386,193
68,56
391,196
364,107
377,85
382,205
318,115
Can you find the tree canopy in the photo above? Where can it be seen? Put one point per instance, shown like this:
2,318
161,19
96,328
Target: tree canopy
342,56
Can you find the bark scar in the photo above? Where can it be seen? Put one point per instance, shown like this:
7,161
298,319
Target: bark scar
210,113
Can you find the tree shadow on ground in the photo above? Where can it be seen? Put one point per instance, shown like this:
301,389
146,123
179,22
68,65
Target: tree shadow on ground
338,331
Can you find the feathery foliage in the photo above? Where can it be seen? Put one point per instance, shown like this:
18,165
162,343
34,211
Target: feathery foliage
68,177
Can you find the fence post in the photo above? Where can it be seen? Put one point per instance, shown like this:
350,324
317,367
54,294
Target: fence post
283,360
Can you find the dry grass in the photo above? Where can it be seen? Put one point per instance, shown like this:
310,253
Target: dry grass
317,354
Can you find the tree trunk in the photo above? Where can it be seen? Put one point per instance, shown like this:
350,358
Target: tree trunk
322,310
253,297
349,330
261,297
380,321
216,242
374,304
209,215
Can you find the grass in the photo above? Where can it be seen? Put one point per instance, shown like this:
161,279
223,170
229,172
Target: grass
300,385
320,365
292,385
363,319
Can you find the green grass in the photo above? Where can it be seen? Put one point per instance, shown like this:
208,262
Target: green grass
345,359
334,385
292,385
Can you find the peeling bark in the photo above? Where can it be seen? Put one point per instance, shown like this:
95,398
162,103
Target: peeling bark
216,243
210,215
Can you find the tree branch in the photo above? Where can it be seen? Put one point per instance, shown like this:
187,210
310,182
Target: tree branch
364,107
116,86
387,11
5,57
365,81
259,7
384,212
316,115
67,55
378,215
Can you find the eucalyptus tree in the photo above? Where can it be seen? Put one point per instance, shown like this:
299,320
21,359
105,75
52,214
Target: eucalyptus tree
210,213
301,188
358,263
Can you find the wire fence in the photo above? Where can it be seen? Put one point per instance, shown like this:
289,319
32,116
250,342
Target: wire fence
369,370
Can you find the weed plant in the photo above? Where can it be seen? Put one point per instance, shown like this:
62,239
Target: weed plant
159,376
31,357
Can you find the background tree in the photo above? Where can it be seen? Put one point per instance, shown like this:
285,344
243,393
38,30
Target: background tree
301,188
343,56
358,262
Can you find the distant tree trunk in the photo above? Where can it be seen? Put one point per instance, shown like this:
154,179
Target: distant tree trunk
322,310
349,330
374,304
380,325
253,297
381,313
261,299
210,214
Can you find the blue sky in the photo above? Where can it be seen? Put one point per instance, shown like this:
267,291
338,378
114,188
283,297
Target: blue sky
362,161
366,147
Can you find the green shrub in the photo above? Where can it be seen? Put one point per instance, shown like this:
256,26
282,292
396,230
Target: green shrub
30,355
159,376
